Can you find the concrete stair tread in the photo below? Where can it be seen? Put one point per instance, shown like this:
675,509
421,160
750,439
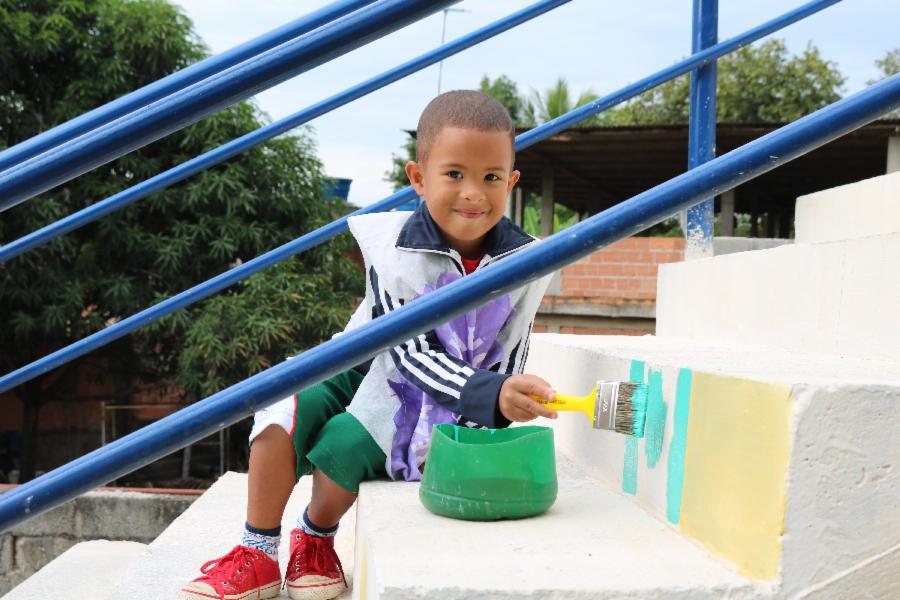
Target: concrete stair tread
860,209
64,576
768,364
594,542
836,297
208,529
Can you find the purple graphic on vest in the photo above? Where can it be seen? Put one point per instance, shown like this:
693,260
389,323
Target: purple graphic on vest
471,337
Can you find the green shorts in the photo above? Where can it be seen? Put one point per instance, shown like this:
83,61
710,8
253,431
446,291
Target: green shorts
332,440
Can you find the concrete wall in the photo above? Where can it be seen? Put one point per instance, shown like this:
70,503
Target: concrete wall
838,298
783,467
110,515
864,208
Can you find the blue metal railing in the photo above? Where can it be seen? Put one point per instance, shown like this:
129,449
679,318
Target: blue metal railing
245,142
620,221
134,130
174,82
351,348
323,234
698,223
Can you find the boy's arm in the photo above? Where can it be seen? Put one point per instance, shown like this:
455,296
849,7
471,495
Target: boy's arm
450,381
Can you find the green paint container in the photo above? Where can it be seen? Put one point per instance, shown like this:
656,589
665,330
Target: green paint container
489,474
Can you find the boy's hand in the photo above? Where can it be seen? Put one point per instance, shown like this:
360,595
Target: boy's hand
515,403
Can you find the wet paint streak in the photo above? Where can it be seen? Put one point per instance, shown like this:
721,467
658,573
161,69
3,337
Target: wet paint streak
655,427
629,468
675,481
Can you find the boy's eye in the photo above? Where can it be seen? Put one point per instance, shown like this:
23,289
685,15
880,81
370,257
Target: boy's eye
454,175
491,177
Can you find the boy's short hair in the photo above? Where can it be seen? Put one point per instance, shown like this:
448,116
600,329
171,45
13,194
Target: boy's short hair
466,109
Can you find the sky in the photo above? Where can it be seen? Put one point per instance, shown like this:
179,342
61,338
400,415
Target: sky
594,44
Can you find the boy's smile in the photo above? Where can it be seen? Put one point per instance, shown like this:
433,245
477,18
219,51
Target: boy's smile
465,181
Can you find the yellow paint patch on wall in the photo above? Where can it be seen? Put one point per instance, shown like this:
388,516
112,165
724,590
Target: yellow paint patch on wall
735,472
363,584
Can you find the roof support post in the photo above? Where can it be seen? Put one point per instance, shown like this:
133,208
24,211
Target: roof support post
893,154
698,225
726,214
547,203
518,207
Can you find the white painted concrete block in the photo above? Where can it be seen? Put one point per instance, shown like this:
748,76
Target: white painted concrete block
208,529
838,298
87,571
837,497
861,209
593,543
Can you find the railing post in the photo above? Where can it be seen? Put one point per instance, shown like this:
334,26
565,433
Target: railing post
698,225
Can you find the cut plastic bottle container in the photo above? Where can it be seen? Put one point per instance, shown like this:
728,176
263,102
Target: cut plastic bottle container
489,474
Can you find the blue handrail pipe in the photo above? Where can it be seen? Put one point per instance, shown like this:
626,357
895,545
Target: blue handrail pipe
343,352
323,234
175,82
134,130
707,177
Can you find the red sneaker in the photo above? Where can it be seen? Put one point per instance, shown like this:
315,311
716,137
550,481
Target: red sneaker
241,574
314,570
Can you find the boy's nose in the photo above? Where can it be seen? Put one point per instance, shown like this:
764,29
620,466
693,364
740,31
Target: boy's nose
473,193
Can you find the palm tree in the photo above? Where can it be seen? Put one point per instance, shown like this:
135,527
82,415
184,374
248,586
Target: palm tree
556,101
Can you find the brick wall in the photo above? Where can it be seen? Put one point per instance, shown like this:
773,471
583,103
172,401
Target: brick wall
625,271
610,292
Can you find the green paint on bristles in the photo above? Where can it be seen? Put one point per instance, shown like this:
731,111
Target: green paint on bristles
631,408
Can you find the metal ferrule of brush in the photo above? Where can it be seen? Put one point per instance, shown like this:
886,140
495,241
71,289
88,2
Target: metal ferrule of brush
607,399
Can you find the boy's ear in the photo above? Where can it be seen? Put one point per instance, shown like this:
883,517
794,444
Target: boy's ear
416,177
513,179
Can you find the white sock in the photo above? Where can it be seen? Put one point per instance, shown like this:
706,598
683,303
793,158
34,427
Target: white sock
266,540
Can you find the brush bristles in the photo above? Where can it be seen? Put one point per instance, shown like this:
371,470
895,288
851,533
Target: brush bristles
631,408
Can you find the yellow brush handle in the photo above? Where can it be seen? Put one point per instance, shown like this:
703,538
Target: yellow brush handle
564,402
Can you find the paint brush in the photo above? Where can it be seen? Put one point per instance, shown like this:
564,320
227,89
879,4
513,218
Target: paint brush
619,406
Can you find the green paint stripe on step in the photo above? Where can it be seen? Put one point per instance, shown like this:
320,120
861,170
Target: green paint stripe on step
629,468
675,481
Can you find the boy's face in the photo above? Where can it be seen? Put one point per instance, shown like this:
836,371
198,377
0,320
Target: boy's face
465,181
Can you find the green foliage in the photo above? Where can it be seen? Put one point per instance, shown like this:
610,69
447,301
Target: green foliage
889,65
262,322
505,91
756,84
563,216
396,175
557,101
59,59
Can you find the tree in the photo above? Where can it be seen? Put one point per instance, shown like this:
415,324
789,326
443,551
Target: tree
756,84
889,65
505,91
557,101
59,59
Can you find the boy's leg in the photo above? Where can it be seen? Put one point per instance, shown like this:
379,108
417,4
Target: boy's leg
344,455
329,501
273,472
270,477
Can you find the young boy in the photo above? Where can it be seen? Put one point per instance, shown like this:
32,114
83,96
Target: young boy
375,419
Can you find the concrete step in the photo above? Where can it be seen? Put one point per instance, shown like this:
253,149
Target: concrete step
86,571
594,542
780,462
830,297
208,529
861,209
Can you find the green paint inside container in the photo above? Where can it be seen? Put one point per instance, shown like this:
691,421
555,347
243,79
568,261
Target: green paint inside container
489,474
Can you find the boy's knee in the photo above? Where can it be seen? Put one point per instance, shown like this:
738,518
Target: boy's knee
273,434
